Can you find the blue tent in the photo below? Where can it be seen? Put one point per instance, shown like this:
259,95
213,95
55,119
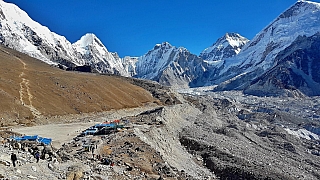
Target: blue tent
45,141
99,126
23,138
37,138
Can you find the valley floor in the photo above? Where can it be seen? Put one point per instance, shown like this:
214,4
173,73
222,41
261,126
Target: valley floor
208,136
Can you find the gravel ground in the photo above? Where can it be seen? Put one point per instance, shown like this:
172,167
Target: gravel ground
256,147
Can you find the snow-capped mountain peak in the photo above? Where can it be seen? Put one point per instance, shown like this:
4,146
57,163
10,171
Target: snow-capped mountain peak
96,55
164,45
89,39
169,65
227,46
261,54
236,40
302,18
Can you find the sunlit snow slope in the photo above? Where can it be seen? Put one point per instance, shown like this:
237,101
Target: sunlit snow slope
18,31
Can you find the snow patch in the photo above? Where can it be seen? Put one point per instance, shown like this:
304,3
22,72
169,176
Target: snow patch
303,133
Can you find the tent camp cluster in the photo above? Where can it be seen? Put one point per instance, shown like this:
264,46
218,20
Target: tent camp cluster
87,141
33,144
104,128
101,129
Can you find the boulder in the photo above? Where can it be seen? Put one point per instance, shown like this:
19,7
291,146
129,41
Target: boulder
74,173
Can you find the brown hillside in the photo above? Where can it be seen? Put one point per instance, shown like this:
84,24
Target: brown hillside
30,88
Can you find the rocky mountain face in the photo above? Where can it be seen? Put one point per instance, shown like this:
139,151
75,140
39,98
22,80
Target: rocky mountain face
259,57
296,73
129,63
18,31
225,47
170,65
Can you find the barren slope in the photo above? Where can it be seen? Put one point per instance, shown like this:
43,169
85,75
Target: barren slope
31,89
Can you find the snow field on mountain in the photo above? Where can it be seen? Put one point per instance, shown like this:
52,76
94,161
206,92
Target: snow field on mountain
303,133
16,20
21,33
303,19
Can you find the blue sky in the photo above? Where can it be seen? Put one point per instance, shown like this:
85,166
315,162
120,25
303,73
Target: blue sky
133,27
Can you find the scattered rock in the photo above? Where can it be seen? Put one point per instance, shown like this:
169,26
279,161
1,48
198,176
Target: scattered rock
4,162
34,168
31,177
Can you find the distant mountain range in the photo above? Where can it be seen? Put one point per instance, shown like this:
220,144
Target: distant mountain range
281,60
270,48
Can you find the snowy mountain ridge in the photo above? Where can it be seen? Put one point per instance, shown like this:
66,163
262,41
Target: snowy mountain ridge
258,56
95,54
18,31
296,72
302,18
233,62
16,23
170,65
155,60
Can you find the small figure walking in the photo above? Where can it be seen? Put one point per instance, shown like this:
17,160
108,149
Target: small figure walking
92,151
37,156
14,159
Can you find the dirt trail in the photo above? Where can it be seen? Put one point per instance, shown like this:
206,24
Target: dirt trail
25,91
165,139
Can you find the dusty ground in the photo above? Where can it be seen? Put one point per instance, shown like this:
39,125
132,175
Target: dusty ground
64,132
60,133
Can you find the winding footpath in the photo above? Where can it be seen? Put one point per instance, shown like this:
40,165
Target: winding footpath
24,92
